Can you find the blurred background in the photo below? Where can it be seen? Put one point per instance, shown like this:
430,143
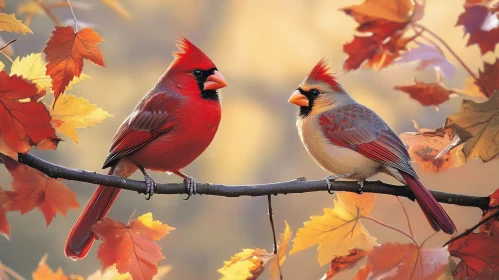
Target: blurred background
264,49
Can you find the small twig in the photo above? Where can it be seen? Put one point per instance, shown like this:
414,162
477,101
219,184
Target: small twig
468,231
7,56
406,216
389,226
6,45
49,13
434,35
73,13
427,238
271,218
10,271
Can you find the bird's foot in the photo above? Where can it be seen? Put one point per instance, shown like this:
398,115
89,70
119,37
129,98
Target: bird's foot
191,185
332,178
361,186
151,186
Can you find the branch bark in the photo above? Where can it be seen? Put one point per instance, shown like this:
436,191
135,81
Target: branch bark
299,185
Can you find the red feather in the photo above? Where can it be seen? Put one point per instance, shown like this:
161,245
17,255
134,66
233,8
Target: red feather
321,73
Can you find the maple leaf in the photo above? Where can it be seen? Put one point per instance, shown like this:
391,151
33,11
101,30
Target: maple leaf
250,263
339,229
32,67
489,78
383,24
4,225
479,254
429,56
131,247
116,6
477,124
426,144
2,66
65,52
71,112
341,263
43,272
31,188
482,23
428,94
22,124
9,23
404,261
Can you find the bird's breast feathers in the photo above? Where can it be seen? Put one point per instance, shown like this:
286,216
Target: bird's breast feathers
333,158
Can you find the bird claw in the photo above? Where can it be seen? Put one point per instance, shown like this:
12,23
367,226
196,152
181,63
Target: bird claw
361,186
328,180
192,187
151,186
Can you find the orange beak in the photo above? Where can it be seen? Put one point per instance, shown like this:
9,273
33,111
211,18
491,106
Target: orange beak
215,81
298,99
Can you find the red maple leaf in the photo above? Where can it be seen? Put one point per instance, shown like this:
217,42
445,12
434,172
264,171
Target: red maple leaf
482,23
131,247
23,122
479,254
31,188
488,78
428,94
65,52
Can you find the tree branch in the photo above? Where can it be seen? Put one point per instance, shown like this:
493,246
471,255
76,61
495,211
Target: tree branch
297,186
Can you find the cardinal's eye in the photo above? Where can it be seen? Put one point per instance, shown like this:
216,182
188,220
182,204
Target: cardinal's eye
315,92
197,72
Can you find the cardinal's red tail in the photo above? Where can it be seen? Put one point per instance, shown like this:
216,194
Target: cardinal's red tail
436,215
81,238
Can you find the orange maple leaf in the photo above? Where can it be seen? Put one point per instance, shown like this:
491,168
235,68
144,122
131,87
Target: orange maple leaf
23,122
340,263
404,261
65,52
383,24
426,144
131,247
31,188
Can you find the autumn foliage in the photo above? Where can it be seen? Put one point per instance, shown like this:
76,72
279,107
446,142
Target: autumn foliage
37,111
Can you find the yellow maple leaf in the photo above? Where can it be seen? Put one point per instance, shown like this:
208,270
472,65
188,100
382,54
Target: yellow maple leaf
118,8
32,67
9,23
111,273
339,229
43,272
250,263
2,66
71,112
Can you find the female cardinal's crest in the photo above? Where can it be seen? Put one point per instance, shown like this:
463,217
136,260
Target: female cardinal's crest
321,73
190,55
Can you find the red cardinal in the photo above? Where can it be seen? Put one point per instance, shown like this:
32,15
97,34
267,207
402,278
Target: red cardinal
169,128
351,141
